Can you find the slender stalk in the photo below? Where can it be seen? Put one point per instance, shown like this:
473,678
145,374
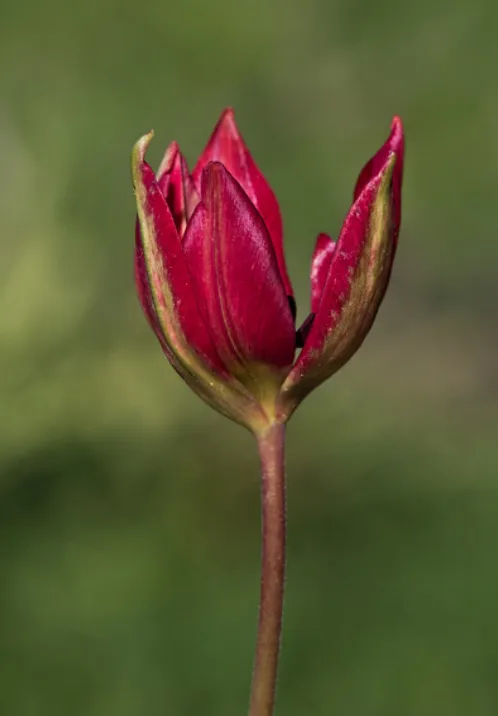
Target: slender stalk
264,680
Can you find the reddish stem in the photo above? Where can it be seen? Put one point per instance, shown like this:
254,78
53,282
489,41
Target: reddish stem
271,452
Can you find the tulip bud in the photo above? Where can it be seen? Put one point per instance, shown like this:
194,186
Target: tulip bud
211,275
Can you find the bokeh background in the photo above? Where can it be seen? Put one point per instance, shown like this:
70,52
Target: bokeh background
129,524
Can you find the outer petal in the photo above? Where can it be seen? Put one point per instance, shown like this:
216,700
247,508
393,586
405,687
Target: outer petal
358,275
171,300
142,284
227,146
237,279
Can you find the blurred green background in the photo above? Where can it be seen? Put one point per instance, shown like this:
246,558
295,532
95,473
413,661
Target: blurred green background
129,524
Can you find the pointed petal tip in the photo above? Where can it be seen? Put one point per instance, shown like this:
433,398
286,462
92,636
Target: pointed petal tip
138,155
393,145
227,117
323,243
140,147
225,130
396,138
168,159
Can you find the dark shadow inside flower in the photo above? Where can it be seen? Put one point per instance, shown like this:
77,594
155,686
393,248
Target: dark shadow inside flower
303,331
293,307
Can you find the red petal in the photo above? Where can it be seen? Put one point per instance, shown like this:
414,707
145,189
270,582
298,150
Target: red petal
177,187
320,263
168,298
357,277
238,282
227,146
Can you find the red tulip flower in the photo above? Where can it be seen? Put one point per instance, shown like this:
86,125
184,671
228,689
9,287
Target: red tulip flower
212,280
211,277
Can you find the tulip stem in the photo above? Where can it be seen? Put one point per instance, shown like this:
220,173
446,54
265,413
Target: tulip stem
271,451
